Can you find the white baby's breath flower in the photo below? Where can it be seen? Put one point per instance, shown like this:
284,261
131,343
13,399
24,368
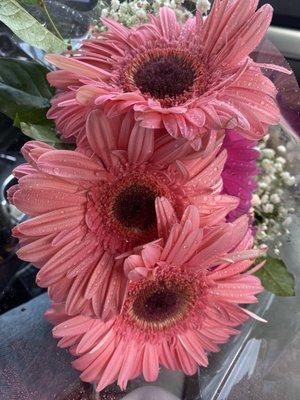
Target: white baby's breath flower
104,12
115,4
280,160
279,191
287,178
268,165
264,199
271,209
141,14
268,153
203,6
268,179
255,200
278,167
281,149
268,208
262,185
275,199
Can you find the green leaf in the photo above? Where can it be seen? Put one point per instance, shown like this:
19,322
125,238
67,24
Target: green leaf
29,2
276,278
46,134
24,90
28,29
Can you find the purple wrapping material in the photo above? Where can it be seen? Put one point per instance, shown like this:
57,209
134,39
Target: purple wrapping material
288,89
239,170
150,393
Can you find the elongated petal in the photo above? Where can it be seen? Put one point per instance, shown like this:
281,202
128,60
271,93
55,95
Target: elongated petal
51,222
75,66
150,363
140,145
101,137
165,215
69,164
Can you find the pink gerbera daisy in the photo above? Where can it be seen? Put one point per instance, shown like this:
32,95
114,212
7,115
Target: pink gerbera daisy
185,303
92,205
189,79
239,170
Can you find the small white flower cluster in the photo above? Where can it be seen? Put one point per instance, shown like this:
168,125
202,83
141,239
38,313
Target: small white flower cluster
134,12
270,206
203,6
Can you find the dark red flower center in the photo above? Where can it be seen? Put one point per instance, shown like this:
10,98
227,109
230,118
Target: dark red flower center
158,304
129,205
167,76
134,207
163,302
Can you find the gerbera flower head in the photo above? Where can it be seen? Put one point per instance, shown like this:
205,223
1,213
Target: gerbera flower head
239,171
189,79
183,308
90,206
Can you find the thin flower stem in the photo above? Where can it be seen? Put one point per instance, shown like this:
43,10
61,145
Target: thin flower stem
43,6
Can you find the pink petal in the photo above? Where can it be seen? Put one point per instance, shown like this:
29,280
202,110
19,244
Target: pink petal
151,254
249,36
70,164
74,326
23,170
77,67
168,150
113,366
230,270
151,120
37,250
58,291
191,344
196,116
100,273
140,145
93,336
253,315
168,23
170,124
101,137
165,215
87,94
118,29
187,364
132,262
75,301
61,262
51,222
167,357
211,174
150,362
128,365
36,201
62,79
125,130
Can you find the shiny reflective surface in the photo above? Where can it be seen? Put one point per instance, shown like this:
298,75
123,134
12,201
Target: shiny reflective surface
263,362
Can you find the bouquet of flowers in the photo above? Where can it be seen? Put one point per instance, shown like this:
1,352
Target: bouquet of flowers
139,185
